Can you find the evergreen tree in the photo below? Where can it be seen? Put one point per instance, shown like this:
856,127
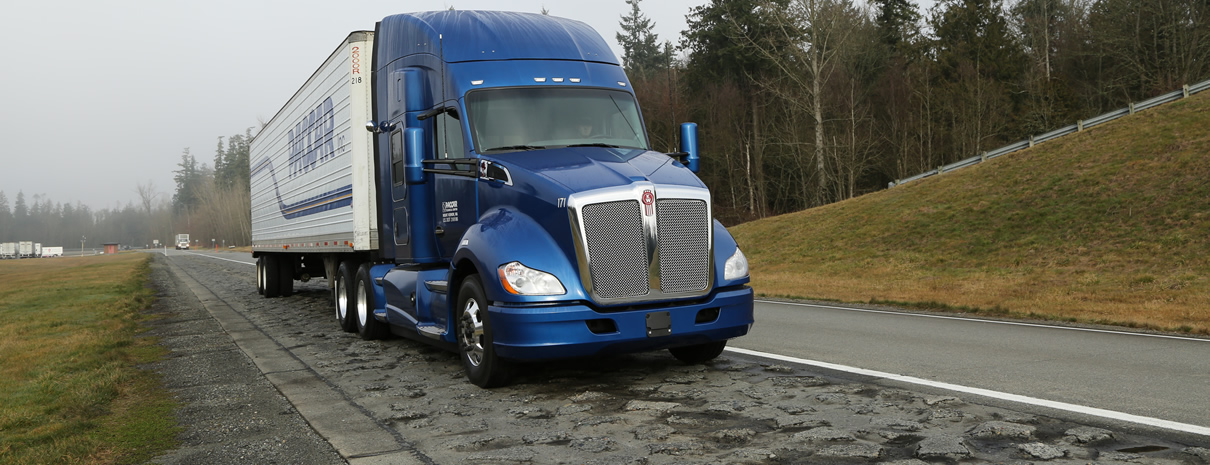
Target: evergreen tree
188,179
20,209
982,67
641,53
719,40
975,33
897,22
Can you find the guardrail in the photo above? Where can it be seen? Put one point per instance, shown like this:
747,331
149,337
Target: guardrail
1081,125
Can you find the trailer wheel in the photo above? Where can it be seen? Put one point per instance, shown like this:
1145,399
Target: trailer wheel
346,301
260,275
475,338
270,271
368,327
700,353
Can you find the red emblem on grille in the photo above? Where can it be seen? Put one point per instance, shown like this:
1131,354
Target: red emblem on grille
648,202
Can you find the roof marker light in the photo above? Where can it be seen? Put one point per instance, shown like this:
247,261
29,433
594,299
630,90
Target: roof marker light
539,79
576,80
620,83
557,79
476,83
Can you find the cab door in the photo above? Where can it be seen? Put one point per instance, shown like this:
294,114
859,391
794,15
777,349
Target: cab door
455,196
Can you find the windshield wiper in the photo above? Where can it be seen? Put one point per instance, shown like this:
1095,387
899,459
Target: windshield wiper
515,147
596,144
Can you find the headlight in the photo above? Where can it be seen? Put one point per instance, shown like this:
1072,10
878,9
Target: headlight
736,267
522,280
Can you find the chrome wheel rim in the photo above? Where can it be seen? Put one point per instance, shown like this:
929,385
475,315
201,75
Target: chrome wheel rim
471,334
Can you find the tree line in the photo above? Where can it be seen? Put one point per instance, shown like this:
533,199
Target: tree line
207,203
801,103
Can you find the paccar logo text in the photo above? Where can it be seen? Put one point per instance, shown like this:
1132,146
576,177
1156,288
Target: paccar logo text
311,139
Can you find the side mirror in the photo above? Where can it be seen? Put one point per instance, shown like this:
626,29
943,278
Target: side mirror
379,128
689,145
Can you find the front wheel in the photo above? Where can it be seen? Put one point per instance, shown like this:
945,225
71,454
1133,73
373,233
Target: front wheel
475,336
700,353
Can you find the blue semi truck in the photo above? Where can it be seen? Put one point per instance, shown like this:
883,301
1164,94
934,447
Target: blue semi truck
483,181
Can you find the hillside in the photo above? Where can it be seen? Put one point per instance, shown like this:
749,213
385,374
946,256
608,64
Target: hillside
1110,225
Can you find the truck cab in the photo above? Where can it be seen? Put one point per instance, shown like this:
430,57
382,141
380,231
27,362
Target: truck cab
524,214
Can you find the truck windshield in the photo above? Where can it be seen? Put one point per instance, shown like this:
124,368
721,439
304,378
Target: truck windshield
510,120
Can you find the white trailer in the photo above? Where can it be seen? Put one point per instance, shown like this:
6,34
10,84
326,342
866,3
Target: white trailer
52,252
8,250
37,249
25,249
312,165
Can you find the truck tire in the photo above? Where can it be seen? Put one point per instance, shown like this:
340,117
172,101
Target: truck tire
285,275
700,353
346,300
475,342
272,282
260,275
367,327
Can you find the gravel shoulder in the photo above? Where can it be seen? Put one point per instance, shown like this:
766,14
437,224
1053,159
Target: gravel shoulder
641,409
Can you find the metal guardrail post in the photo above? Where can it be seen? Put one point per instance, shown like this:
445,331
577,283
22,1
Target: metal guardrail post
1031,140
1185,89
1132,108
983,156
1080,126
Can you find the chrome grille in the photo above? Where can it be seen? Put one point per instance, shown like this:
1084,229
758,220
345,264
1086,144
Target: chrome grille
684,236
617,249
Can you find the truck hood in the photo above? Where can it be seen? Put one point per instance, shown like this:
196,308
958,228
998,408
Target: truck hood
587,168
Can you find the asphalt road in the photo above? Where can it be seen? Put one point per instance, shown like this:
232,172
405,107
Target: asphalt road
1153,376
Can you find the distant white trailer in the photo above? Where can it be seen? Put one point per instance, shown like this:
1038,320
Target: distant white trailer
8,250
52,252
25,249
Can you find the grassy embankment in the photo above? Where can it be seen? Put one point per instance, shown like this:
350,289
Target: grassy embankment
1109,226
70,389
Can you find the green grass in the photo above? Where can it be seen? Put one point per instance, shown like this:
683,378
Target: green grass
1111,225
70,385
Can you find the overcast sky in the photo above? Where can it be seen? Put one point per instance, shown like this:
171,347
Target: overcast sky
100,96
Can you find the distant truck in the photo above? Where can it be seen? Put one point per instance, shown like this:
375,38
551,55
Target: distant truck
25,249
505,202
8,250
182,242
52,252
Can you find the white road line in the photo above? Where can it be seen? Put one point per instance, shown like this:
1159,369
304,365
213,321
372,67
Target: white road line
1110,414
219,258
978,320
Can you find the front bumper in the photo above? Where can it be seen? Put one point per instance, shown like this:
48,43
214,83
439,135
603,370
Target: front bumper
554,332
